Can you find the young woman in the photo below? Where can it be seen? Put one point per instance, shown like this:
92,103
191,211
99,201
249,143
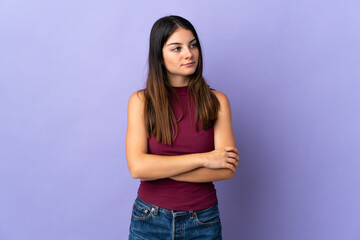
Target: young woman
179,140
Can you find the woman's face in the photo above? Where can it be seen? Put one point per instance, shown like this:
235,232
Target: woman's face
180,54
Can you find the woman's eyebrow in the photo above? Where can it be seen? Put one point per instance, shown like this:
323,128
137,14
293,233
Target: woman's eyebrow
181,43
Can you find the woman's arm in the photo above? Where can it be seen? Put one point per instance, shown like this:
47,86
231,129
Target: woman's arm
205,175
149,166
223,136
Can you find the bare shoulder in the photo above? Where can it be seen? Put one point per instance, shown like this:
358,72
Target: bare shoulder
137,97
137,100
223,99
136,105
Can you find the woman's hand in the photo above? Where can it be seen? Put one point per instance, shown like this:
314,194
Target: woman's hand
227,158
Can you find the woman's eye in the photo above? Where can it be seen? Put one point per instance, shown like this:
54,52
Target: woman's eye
194,45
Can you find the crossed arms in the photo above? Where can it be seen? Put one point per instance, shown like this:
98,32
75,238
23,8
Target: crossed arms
216,165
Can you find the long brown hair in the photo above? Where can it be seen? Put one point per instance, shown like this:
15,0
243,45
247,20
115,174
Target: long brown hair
159,116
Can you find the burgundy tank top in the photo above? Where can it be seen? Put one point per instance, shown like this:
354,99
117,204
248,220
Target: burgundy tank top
178,195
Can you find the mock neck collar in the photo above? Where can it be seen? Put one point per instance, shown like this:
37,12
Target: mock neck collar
181,90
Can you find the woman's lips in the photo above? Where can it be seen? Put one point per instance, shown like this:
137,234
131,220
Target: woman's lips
189,64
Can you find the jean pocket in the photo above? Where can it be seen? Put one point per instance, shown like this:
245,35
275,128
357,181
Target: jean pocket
209,216
141,212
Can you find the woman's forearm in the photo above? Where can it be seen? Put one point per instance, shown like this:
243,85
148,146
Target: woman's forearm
151,166
204,175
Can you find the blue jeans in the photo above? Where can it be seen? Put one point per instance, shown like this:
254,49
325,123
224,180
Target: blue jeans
150,222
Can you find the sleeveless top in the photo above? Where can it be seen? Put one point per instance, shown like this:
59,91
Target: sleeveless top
178,195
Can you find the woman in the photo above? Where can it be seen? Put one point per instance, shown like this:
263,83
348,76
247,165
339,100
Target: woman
179,140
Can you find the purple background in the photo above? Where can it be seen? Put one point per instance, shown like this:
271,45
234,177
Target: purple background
289,68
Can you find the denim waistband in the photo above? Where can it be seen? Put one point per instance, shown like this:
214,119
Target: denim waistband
156,209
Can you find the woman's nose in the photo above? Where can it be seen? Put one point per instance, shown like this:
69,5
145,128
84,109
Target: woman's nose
188,53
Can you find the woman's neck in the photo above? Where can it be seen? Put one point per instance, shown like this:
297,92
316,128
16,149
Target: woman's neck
178,81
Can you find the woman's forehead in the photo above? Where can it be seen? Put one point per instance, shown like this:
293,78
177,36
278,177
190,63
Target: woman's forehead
181,36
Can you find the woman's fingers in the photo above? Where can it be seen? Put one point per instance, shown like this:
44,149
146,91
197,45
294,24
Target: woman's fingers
231,149
226,158
232,164
233,155
233,160
231,167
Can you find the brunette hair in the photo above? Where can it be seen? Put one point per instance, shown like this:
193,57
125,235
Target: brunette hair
159,117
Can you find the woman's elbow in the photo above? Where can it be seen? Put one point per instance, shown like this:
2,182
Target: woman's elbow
135,165
230,174
134,174
134,171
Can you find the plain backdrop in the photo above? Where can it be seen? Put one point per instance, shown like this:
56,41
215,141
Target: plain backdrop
289,68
